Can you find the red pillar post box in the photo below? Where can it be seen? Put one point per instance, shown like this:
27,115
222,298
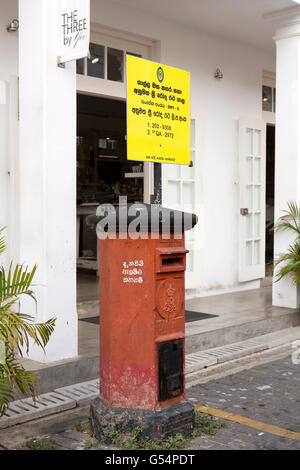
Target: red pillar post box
142,330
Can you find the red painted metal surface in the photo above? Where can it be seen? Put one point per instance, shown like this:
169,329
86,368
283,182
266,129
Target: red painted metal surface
141,304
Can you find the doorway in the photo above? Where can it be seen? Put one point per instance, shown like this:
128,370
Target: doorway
103,174
270,192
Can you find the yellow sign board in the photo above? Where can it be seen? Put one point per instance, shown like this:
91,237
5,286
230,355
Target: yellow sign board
158,112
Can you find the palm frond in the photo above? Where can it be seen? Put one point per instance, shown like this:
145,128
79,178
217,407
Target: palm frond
290,220
15,282
292,269
6,393
16,331
13,375
2,240
289,262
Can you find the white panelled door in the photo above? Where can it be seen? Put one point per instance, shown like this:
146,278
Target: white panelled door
179,193
252,169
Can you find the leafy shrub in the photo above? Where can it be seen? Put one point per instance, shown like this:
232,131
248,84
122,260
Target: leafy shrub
16,330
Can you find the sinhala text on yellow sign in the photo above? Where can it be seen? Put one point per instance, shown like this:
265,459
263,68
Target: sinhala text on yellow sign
158,112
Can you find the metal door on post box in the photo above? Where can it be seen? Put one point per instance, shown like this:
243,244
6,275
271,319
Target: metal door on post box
170,370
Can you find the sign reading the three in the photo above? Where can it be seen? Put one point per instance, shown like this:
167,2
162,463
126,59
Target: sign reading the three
75,30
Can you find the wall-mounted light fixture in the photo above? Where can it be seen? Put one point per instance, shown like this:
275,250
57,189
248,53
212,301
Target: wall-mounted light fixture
219,74
13,26
94,59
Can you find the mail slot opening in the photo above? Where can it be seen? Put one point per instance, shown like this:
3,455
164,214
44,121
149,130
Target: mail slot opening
172,261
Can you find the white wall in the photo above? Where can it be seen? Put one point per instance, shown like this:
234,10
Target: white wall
8,68
38,197
4,155
47,167
217,107
287,173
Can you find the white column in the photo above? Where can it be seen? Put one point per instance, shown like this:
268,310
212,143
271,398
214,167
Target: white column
287,155
47,172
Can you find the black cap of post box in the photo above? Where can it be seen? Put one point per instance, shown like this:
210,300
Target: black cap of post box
121,217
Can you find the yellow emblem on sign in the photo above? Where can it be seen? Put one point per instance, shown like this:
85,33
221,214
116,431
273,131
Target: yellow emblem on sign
158,112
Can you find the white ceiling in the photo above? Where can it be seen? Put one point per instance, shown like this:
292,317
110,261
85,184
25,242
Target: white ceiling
241,20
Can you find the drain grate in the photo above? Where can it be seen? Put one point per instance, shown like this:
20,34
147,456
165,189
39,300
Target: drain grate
200,360
21,411
82,393
61,399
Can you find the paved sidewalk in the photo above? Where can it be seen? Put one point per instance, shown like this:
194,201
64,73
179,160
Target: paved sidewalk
268,394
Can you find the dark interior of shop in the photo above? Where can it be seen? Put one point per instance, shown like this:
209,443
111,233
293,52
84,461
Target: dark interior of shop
270,183
103,171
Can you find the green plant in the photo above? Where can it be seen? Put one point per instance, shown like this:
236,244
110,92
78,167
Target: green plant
80,427
42,444
114,437
16,331
207,425
137,442
290,261
88,445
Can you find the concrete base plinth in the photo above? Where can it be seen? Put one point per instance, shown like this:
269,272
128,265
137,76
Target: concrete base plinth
176,419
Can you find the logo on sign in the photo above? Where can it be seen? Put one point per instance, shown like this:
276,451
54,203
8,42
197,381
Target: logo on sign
160,74
74,22
74,29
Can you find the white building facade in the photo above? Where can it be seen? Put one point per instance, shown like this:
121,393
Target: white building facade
254,44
